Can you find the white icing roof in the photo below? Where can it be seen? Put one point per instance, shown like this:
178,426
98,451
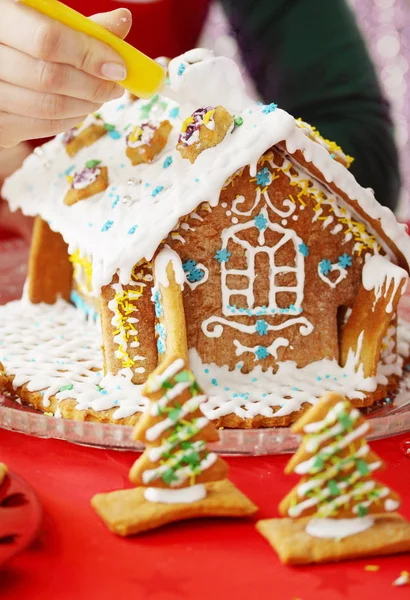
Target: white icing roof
115,234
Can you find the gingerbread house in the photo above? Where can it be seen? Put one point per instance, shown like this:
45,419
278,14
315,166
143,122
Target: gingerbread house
291,271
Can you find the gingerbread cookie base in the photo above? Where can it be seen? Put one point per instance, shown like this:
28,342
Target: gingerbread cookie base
390,534
127,512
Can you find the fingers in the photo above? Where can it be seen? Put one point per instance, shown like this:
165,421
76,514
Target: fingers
14,128
117,21
28,103
49,40
53,78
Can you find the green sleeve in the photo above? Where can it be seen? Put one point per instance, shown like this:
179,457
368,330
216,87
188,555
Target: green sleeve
309,57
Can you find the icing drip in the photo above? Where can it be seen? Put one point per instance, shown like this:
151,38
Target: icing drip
194,493
338,528
162,261
379,274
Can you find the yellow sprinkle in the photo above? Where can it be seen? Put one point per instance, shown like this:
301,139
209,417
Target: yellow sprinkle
372,568
186,123
208,116
136,134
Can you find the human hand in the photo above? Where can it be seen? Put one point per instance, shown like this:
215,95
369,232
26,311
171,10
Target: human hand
52,77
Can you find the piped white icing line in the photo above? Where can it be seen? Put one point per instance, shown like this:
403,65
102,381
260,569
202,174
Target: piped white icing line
101,226
42,345
379,273
55,350
161,263
187,495
338,528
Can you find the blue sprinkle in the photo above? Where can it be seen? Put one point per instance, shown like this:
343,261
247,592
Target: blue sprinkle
345,261
254,380
116,402
261,352
206,370
181,69
318,379
115,135
174,112
214,382
327,377
222,255
157,191
132,230
167,162
303,249
70,169
121,107
262,327
388,400
122,166
325,266
226,389
196,180
269,108
114,204
107,225
261,222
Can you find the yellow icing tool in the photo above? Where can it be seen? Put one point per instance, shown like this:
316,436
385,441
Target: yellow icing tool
145,77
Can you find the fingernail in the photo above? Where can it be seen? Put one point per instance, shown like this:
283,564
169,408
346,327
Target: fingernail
114,71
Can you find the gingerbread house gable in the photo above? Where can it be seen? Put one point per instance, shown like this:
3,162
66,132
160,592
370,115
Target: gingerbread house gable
272,232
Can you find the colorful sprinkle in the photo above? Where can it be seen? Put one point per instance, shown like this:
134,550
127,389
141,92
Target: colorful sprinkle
174,112
269,108
264,177
303,249
261,353
193,274
372,568
261,222
238,121
167,162
181,69
325,266
157,191
222,255
91,164
345,261
262,327
133,229
107,225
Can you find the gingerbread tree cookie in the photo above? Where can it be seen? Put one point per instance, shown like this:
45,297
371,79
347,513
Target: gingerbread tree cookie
205,128
92,180
181,479
337,511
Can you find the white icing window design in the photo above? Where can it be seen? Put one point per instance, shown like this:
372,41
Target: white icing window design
276,268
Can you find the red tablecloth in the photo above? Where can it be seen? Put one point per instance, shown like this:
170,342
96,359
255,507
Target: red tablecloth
76,558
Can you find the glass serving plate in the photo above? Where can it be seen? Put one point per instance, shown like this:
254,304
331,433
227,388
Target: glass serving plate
389,418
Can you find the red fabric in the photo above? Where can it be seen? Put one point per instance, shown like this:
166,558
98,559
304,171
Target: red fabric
160,28
77,558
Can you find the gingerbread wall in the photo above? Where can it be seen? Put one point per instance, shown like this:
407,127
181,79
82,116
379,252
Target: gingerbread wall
302,251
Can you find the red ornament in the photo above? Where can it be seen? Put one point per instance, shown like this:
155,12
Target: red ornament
405,448
20,516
